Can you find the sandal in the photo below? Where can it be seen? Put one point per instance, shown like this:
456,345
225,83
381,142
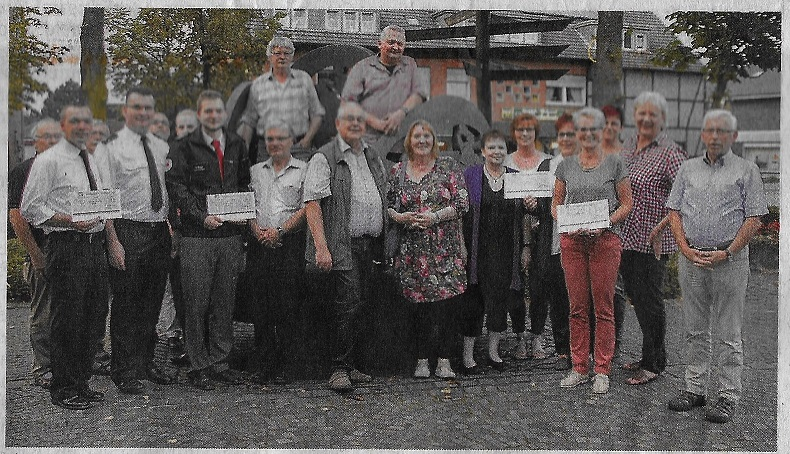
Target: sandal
643,376
633,367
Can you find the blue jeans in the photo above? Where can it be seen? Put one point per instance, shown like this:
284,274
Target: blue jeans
713,301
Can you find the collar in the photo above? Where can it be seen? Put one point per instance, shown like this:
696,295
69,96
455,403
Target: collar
209,140
270,74
719,162
346,148
377,62
291,163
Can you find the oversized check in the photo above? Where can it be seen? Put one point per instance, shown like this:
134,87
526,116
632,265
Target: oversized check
232,206
103,203
585,215
537,184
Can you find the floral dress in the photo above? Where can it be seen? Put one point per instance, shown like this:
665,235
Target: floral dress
431,262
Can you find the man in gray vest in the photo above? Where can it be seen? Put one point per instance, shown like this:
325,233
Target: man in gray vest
344,206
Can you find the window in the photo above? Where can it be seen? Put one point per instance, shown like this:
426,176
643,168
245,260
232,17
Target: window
367,22
350,21
299,18
567,90
332,20
527,90
508,89
517,97
458,83
500,97
634,40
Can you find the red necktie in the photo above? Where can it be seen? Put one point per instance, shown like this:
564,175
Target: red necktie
220,158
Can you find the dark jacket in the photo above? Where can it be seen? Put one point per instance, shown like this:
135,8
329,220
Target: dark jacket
335,208
474,183
195,173
541,251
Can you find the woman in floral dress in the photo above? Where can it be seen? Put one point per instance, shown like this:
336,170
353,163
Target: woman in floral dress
430,194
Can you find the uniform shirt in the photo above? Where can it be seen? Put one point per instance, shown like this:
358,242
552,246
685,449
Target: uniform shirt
714,199
295,102
366,206
55,178
651,171
278,195
123,165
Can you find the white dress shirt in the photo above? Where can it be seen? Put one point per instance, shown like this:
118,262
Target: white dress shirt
278,195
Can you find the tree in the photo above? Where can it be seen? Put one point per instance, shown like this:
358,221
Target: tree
729,43
28,56
68,93
607,70
93,61
179,52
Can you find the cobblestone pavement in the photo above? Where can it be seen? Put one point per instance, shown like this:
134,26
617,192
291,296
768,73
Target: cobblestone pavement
520,408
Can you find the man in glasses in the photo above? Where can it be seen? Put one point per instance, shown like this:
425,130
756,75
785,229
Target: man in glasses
344,206
46,133
386,85
715,207
282,94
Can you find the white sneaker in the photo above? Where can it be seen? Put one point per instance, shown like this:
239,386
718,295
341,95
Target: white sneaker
574,379
600,384
422,370
443,369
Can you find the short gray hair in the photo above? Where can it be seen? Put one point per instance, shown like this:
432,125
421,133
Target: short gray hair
279,41
42,122
654,98
345,106
391,28
590,112
732,122
279,125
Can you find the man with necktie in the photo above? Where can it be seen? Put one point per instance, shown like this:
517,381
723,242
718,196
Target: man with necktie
210,160
76,263
134,161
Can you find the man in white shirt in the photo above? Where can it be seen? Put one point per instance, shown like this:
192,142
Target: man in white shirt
76,263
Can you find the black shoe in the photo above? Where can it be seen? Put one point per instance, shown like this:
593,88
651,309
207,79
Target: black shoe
100,367
199,379
91,395
178,356
720,412
686,401
227,376
498,366
474,370
158,376
72,402
44,381
131,386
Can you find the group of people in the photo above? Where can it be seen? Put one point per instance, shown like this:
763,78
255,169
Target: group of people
461,246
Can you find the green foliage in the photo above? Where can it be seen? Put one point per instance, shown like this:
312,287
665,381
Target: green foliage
731,43
179,52
28,55
16,287
671,282
68,93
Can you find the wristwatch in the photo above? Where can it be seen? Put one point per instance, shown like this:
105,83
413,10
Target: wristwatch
280,231
729,254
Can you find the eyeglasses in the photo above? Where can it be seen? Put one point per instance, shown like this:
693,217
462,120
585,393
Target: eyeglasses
277,138
523,130
586,130
393,42
50,136
357,118
282,54
566,135
711,131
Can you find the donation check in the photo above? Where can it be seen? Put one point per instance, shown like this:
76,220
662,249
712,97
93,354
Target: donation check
586,215
520,185
232,206
104,204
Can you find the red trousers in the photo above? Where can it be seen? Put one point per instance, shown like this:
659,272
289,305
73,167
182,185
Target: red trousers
590,266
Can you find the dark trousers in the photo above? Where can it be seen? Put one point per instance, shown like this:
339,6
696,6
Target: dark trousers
474,306
438,314
643,276
76,270
137,296
351,291
278,277
551,288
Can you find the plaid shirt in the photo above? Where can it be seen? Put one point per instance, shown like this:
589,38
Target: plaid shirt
651,171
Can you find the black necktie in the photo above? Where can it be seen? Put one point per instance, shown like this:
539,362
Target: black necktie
156,186
91,180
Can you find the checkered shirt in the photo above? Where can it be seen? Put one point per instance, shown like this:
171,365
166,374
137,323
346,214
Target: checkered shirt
652,171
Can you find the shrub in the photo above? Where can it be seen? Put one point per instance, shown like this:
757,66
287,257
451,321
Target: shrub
16,286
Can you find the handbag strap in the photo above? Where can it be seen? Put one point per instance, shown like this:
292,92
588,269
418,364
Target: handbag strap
401,180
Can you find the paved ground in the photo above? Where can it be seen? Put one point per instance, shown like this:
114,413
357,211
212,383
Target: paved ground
521,408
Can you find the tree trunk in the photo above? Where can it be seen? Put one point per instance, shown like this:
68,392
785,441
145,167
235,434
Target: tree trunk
93,61
718,97
607,70
483,45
